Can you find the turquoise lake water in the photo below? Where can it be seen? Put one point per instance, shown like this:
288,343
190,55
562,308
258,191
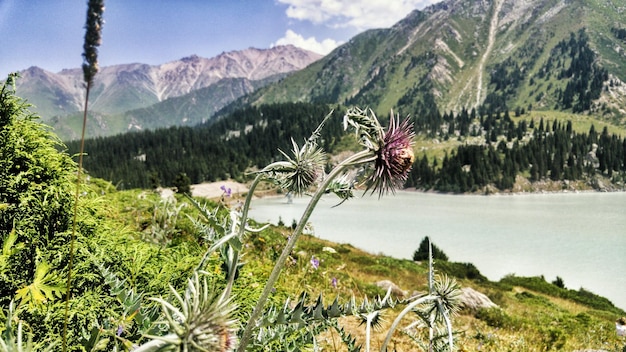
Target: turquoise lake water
580,237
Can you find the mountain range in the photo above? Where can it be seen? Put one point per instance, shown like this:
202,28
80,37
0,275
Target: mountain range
137,96
499,55
466,53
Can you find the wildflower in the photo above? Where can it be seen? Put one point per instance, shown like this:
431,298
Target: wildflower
394,157
333,282
120,330
226,191
315,263
392,149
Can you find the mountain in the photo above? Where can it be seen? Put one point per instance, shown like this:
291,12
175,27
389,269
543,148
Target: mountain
501,54
504,96
120,89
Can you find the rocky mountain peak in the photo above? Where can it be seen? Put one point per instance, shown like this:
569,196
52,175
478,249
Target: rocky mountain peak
131,86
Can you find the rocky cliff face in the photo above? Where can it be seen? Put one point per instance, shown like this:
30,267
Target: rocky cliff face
127,87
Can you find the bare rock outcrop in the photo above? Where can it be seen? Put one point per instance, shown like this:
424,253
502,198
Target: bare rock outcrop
473,300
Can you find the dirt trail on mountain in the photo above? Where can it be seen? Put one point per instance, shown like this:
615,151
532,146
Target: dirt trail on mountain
477,76
493,28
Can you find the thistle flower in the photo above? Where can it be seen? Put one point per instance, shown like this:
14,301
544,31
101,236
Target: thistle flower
392,149
394,157
202,323
299,172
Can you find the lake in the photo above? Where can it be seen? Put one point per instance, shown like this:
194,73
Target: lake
580,237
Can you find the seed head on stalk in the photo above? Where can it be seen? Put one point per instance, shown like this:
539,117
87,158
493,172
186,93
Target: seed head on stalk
93,39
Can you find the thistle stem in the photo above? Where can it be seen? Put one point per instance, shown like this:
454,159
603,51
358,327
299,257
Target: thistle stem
242,227
358,157
404,312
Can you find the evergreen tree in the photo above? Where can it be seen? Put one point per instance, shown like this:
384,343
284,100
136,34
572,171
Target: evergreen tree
422,251
182,182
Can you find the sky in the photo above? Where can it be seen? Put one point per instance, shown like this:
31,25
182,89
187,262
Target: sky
49,33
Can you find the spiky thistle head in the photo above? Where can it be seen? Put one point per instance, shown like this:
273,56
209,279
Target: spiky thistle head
300,170
203,321
447,301
93,39
448,293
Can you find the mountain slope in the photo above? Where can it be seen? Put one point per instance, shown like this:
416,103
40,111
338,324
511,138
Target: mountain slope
122,88
187,110
459,54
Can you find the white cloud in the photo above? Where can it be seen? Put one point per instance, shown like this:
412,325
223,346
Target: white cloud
358,14
324,47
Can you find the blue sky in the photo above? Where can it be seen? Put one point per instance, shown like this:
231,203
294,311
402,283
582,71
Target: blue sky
49,33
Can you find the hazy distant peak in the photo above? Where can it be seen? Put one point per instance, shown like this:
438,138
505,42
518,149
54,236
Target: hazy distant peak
124,87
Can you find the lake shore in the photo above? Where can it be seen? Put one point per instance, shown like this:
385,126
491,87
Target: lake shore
215,190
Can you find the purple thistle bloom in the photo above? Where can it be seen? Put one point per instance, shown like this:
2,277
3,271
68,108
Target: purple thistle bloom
333,282
315,263
394,157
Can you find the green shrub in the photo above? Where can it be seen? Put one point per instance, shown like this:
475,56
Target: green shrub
495,317
553,338
36,192
582,296
461,270
530,298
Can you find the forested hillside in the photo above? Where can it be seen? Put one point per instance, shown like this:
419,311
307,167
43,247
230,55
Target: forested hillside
248,138
473,77
496,151
499,55
480,150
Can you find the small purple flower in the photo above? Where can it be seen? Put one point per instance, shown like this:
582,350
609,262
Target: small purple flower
315,263
120,329
227,191
333,282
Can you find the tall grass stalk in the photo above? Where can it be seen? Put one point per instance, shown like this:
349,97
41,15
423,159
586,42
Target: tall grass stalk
93,26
